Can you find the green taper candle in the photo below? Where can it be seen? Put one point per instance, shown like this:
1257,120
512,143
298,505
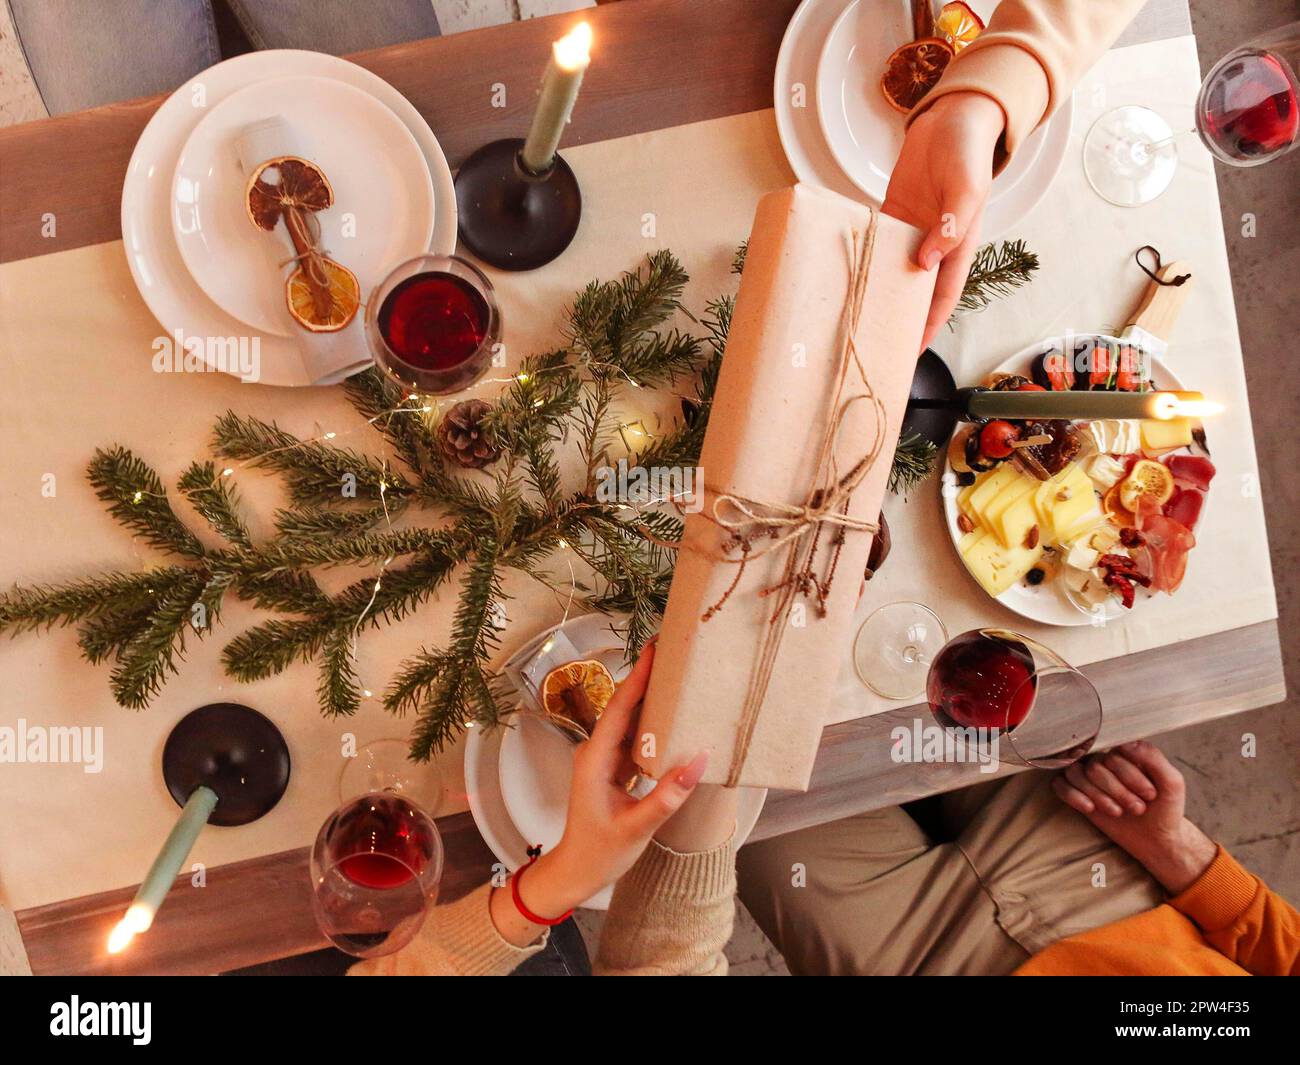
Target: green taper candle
570,56
175,849
982,404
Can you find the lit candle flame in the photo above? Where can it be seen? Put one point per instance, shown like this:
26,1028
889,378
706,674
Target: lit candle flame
138,919
573,50
1169,405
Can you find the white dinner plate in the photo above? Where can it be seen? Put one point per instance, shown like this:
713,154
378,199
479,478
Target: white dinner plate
846,137
152,255
383,195
517,776
1048,602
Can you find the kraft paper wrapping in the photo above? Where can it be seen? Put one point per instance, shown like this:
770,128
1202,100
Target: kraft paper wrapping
775,397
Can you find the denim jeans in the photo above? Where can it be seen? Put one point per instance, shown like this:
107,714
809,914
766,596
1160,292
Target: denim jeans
84,53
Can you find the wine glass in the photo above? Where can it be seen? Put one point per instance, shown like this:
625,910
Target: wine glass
1245,115
433,324
894,648
995,679
377,860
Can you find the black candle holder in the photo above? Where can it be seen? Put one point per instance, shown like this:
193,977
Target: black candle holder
931,410
510,217
233,750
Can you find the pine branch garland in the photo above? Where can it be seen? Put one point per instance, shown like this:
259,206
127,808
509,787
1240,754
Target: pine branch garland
343,507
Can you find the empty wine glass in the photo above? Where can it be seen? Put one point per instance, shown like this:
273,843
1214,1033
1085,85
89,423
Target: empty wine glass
1245,115
894,648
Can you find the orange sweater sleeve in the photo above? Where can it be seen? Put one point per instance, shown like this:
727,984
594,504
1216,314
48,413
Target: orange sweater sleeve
1031,56
1242,919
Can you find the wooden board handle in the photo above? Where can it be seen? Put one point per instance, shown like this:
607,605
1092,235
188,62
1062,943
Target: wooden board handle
1158,309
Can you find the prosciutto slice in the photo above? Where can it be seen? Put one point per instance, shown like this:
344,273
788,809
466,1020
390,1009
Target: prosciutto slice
1163,555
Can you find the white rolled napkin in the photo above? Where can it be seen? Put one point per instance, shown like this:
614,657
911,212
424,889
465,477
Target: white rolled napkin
327,358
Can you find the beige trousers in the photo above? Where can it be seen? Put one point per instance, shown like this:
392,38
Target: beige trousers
872,894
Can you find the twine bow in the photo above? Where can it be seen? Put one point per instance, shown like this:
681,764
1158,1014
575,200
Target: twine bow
797,529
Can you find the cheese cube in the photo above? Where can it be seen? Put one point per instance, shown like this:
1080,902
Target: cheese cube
996,567
1081,556
1161,436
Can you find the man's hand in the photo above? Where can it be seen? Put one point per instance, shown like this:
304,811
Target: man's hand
1136,797
939,185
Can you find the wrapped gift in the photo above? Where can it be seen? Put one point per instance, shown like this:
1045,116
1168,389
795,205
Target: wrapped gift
795,465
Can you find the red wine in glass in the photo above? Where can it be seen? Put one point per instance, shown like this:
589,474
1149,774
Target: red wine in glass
1046,711
433,324
1247,109
434,320
375,869
982,680
381,841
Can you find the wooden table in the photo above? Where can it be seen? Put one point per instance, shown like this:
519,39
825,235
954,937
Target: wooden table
680,61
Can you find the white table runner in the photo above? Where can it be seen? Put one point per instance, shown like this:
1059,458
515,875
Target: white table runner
75,346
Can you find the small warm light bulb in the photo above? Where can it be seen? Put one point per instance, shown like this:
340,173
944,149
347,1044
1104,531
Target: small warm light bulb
573,50
523,378
137,497
330,436
564,543
227,472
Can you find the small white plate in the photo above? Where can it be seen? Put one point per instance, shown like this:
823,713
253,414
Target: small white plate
383,195
517,777
151,252
1048,602
814,81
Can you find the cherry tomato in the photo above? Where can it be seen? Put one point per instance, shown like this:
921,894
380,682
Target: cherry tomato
996,439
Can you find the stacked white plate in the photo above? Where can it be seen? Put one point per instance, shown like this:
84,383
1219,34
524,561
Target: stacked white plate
201,265
839,132
517,777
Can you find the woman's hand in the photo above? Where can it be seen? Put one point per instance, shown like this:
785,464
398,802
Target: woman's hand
939,185
606,829
1136,797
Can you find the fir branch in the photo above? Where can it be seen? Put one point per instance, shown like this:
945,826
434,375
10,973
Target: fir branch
913,463
137,499
215,501
738,260
316,473
997,270
338,691
150,656
274,646
25,609
311,522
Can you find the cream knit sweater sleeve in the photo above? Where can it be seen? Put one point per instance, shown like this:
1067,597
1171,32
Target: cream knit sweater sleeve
1031,56
671,915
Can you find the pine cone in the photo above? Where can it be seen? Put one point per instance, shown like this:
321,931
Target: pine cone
463,437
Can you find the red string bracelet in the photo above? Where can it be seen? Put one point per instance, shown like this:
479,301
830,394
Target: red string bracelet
550,922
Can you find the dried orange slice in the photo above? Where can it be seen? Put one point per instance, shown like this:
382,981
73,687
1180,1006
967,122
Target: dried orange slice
578,693
958,25
1147,480
912,71
341,307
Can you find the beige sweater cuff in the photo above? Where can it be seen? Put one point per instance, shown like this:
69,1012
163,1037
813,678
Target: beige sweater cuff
458,939
1010,76
671,914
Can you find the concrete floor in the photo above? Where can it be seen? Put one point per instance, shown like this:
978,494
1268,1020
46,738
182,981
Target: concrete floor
1251,805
